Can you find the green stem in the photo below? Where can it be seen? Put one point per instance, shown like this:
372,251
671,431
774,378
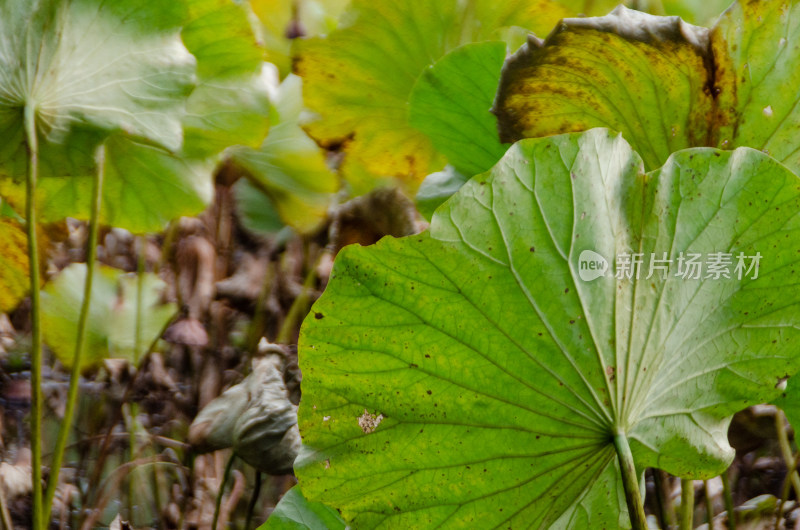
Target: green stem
728,496
137,346
687,504
630,482
218,504
83,320
32,142
141,265
298,309
667,511
256,330
709,503
786,451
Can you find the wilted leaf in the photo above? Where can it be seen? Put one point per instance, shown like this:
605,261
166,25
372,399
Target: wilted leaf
294,512
502,376
664,84
111,330
360,77
255,417
450,103
642,75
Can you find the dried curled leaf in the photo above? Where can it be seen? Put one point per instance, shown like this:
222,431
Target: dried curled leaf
254,417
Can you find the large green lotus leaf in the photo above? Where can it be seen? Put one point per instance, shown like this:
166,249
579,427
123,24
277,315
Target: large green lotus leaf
221,38
359,78
789,402
469,376
294,512
222,113
758,60
145,187
450,103
642,75
229,105
289,168
110,65
111,328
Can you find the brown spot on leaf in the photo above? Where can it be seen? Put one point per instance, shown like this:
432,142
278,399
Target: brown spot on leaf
369,422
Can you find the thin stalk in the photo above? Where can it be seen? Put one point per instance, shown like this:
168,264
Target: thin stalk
786,451
251,507
32,144
687,504
256,329
133,446
709,503
83,320
141,265
5,516
784,497
663,500
298,309
225,476
728,496
630,481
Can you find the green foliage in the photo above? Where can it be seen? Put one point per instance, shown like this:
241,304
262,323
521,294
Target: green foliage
113,314
757,55
122,74
468,376
75,64
360,77
294,512
450,103
437,188
289,170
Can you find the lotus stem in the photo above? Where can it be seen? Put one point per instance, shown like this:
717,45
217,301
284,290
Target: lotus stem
687,504
32,143
728,496
83,320
786,451
630,482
